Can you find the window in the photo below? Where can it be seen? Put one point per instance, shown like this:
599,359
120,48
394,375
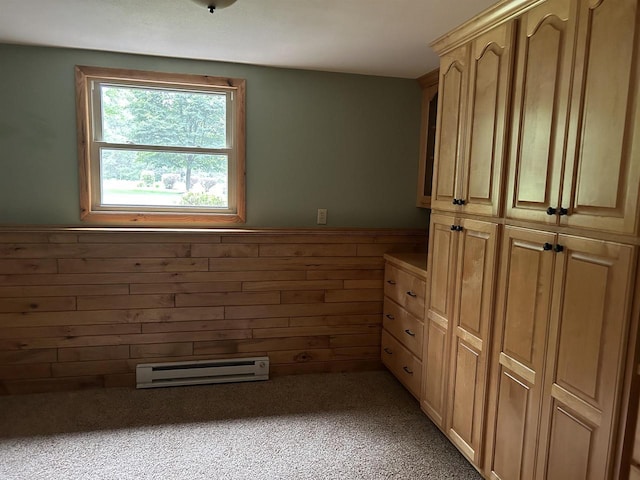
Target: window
160,148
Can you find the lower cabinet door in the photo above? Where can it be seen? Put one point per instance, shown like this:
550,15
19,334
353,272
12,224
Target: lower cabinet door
443,241
587,343
470,331
520,335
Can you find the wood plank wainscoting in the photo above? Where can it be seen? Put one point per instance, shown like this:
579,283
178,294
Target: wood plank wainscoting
81,307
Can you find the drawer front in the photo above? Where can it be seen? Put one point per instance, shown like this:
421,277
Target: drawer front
405,289
406,367
404,326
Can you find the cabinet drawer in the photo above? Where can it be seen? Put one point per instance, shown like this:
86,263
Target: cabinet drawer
404,326
405,289
406,367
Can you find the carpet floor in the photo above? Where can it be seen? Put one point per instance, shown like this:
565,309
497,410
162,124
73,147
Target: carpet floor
310,427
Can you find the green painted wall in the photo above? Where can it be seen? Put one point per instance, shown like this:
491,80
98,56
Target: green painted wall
348,143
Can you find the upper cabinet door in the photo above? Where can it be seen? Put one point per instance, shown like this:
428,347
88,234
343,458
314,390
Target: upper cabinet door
489,90
603,172
539,116
452,99
429,85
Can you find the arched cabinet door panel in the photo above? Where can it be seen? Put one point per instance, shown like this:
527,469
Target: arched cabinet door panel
452,100
539,113
489,90
602,173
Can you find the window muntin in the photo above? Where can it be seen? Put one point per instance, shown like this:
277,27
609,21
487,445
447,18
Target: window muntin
160,148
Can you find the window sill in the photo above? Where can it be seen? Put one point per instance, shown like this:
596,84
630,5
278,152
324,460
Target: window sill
160,219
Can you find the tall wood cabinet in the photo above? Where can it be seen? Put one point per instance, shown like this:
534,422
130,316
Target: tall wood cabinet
459,313
560,332
470,147
530,372
576,118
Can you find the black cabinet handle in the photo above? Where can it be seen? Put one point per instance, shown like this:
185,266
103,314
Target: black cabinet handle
410,333
388,352
391,282
563,211
547,246
453,228
461,201
411,294
390,317
410,372
558,248
455,201
551,211
459,228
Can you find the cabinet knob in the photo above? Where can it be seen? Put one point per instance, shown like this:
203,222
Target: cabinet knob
461,201
547,246
411,293
409,371
558,248
551,211
391,282
453,228
455,201
388,352
410,333
563,211
459,228
390,317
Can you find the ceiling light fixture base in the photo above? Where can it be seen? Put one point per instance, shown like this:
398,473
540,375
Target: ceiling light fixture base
213,5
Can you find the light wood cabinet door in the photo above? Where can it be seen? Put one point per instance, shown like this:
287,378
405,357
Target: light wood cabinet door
539,113
442,254
519,346
428,124
470,332
586,350
603,172
452,102
489,90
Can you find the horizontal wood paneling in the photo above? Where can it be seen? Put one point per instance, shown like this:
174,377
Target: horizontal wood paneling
80,308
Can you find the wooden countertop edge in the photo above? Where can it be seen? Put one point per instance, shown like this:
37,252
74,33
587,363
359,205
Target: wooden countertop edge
415,263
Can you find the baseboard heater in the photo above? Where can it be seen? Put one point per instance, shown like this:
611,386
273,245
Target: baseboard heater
151,375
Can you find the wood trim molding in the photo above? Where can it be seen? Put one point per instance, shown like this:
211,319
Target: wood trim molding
429,79
501,12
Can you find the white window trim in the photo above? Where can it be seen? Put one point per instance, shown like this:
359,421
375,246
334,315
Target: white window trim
89,149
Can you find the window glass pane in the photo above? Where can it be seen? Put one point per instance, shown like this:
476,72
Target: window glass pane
168,179
150,116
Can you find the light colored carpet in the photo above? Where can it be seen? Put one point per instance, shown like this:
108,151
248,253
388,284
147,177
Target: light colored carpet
324,426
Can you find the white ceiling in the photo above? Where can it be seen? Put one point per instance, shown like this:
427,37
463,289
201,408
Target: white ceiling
372,37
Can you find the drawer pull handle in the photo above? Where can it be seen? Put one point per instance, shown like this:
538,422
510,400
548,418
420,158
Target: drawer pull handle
411,294
391,282
390,317
410,333
410,372
388,352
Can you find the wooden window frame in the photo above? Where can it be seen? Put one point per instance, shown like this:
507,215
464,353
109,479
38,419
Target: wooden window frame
89,170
